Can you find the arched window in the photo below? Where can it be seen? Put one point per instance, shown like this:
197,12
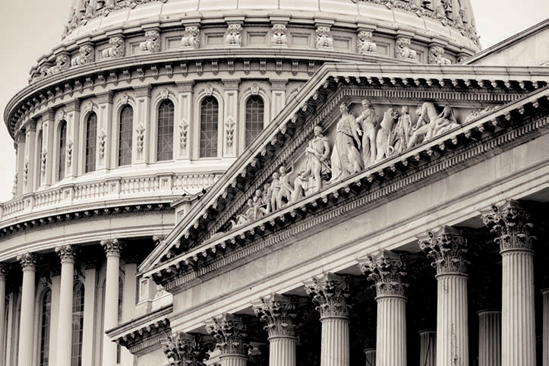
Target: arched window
209,111
91,142
39,158
125,136
62,150
77,324
45,318
255,111
164,146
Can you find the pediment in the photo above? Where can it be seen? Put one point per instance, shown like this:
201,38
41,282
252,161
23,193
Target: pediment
291,170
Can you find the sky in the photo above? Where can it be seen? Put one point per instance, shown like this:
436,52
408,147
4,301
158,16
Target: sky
31,28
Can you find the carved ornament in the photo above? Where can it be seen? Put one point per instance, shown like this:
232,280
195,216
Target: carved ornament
43,160
191,38
117,48
279,38
230,127
448,248
67,253
330,295
230,334
152,42
69,153
102,137
183,131
86,55
324,40
365,43
112,247
140,137
387,271
512,225
277,312
4,268
28,261
184,349
62,63
234,35
403,50
435,56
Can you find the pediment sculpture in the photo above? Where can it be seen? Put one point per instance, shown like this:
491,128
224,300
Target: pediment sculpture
350,145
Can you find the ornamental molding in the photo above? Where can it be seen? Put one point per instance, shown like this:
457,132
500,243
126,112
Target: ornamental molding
183,132
387,270
102,140
512,225
330,295
230,334
230,126
277,313
144,337
448,248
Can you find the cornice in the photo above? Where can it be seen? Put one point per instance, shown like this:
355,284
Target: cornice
379,76
464,146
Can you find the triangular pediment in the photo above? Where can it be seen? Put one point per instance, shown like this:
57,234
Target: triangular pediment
412,112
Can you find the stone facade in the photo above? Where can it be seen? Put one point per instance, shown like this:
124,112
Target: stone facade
215,187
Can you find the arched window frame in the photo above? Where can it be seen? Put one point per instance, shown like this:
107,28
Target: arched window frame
117,129
154,127
220,128
242,120
89,164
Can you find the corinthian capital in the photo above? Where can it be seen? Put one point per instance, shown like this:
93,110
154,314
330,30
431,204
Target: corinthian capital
4,267
330,293
112,247
185,349
447,247
277,312
230,334
512,225
28,261
386,269
67,253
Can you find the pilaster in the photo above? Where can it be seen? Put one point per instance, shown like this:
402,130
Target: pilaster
230,118
104,126
277,312
278,95
387,270
447,247
29,168
20,142
231,336
184,124
329,294
142,126
46,155
511,224
73,141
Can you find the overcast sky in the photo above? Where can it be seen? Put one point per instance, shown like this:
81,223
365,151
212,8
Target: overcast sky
31,28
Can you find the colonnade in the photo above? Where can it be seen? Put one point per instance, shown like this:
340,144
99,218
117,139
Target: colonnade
506,337
61,323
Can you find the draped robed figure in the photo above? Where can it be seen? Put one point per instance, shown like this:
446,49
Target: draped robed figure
346,158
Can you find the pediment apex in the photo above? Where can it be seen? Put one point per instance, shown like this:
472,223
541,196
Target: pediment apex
285,139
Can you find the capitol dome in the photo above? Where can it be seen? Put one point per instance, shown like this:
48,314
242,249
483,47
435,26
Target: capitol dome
144,229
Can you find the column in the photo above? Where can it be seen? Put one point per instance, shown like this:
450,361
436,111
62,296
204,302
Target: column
370,356
128,301
427,344
64,322
3,273
105,159
489,342
386,270
511,224
26,328
31,160
55,276
230,334
447,247
545,346
20,162
277,312
229,140
329,294
113,248
89,306
185,349
74,150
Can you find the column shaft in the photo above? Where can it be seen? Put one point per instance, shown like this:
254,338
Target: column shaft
370,357
282,351
428,342
545,345
26,333
64,325
111,308
518,323
89,316
489,342
2,315
54,319
391,331
452,325
335,342
233,360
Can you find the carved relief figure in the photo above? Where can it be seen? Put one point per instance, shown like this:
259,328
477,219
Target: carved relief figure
346,159
260,208
152,44
402,131
435,56
403,50
425,124
316,165
324,38
368,121
234,35
275,192
191,39
86,55
279,38
445,121
116,49
286,189
365,43
62,62
384,134
299,188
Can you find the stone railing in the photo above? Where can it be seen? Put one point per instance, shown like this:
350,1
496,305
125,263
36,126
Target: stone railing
107,190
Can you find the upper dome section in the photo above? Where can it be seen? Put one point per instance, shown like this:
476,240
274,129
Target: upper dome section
448,20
